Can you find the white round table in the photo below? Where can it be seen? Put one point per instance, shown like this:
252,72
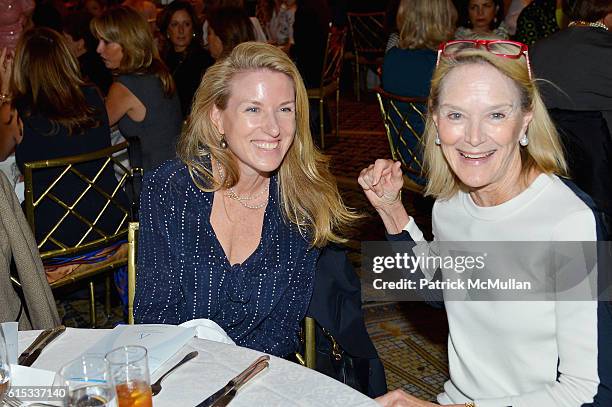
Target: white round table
283,384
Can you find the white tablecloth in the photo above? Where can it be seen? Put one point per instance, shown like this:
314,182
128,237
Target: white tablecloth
283,384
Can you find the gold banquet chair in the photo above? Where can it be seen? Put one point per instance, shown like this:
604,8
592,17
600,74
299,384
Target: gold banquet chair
369,43
131,267
93,237
308,338
402,117
330,77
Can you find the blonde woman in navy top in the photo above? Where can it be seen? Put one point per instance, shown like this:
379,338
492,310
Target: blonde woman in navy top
232,231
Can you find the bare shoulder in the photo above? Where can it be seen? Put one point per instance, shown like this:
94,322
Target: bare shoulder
119,93
121,101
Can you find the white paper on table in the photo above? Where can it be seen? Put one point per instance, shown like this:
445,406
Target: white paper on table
208,329
9,330
29,376
161,341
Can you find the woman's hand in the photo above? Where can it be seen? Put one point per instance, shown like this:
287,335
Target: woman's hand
6,67
399,398
382,183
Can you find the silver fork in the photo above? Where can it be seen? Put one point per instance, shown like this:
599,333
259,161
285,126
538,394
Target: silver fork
12,401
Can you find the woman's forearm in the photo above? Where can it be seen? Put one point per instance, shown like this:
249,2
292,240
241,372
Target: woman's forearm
394,217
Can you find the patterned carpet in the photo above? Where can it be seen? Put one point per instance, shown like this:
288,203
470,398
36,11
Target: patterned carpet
410,337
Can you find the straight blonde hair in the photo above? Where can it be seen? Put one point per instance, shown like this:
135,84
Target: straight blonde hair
544,152
128,28
425,23
308,193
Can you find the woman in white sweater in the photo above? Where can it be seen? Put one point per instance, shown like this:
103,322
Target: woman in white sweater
494,163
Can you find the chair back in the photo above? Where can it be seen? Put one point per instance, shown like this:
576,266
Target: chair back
334,52
85,192
131,267
368,33
404,120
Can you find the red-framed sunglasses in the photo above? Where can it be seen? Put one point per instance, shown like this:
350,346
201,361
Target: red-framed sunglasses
501,48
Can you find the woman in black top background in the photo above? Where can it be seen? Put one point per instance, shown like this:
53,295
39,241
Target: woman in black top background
183,53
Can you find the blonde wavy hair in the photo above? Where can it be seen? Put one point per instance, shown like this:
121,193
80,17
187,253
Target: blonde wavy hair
129,29
544,151
308,193
425,23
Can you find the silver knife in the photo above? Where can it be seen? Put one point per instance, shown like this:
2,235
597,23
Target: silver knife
232,384
30,355
225,400
34,344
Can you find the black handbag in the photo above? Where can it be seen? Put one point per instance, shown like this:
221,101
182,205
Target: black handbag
333,361
344,350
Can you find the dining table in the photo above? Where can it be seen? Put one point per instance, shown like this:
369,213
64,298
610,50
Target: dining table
283,383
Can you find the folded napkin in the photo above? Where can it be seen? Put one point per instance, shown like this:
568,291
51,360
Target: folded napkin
29,376
35,378
207,329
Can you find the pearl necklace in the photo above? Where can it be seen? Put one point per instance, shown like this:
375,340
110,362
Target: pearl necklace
596,24
231,194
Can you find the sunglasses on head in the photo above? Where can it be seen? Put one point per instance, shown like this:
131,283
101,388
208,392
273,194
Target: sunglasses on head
501,48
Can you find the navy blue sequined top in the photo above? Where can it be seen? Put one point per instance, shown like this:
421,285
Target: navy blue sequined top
183,272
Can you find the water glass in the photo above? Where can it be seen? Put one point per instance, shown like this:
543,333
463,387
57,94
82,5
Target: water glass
5,368
88,382
129,371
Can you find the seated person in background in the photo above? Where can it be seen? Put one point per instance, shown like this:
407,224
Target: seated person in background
280,26
577,89
83,46
183,53
576,61
407,67
142,100
228,27
233,230
513,11
538,20
494,162
54,114
409,64
95,8
211,5
483,18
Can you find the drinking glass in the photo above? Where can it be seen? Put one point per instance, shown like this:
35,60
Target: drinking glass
129,371
88,382
5,368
